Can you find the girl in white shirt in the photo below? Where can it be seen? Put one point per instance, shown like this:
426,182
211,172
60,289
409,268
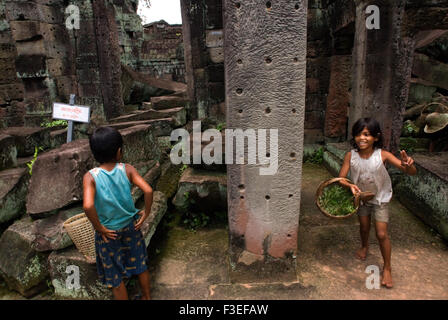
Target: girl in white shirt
366,163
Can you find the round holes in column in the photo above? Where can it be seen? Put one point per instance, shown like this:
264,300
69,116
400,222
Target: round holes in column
241,197
294,110
290,195
240,111
297,6
296,59
268,60
241,186
268,5
292,154
239,62
267,110
239,91
238,5
267,197
268,154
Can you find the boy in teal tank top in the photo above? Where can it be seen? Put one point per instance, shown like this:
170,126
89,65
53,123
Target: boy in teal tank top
119,243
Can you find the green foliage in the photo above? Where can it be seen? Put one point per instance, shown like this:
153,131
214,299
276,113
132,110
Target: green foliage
183,168
55,123
31,163
220,126
337,200
194,220
317,157
408,145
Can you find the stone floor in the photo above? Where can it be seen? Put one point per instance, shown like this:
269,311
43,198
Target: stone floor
194,265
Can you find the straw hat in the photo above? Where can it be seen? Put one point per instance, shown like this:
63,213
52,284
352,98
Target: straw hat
435,122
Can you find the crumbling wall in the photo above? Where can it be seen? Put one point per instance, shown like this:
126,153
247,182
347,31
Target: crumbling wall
51,61
162,54
204,55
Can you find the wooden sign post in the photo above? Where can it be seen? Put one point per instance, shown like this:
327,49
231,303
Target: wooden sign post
71,113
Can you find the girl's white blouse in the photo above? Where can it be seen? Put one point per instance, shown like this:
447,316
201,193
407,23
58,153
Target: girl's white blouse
371,175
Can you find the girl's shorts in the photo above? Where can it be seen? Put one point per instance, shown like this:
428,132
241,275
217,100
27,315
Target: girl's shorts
379,212
121,257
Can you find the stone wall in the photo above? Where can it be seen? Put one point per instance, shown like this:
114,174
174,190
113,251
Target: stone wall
53,61
162,54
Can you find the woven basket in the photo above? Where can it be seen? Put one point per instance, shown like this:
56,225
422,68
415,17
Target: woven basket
321,188
81,231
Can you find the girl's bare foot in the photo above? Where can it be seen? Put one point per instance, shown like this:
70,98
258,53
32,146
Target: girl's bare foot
362,253
387,279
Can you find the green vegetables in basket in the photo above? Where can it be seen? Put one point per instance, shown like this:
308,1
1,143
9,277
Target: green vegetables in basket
337,200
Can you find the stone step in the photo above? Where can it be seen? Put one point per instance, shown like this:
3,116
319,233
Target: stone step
57,174
24,269
168,102
160,127
8,152
27,138
13,190
201,191
177,114
90,287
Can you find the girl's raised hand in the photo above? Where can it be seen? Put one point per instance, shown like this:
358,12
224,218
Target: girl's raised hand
406,161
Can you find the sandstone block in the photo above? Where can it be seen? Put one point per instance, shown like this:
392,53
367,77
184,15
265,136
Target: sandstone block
23,269
168,102
27,138
49,233
8,152
201,191
13,189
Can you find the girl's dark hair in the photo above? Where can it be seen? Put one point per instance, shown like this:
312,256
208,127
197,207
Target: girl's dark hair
374,128
104,143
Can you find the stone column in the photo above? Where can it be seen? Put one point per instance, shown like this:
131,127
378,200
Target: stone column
265,74
382,63
193,31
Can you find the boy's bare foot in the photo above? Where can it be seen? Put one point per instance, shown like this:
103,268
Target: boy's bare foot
362,253
386,281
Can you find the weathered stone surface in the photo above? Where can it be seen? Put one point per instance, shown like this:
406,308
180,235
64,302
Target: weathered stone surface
27,138
419,93
90,287
57,177
8,152
168,102
201,191
160,127
338,100
59,172
177,114
150,177
431,70
23,269
13,189
426,194
49,233
254,33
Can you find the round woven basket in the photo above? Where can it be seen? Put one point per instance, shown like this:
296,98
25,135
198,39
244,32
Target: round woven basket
321,188
81,231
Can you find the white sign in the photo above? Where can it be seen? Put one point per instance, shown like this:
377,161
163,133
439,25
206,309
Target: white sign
69,112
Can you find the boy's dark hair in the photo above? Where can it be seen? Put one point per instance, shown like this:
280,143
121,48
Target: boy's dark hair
104,143
374,128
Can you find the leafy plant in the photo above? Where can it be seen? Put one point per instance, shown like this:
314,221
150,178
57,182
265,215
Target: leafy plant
220,126
31,163
195,220
55,123
182,169
337,200
317,157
